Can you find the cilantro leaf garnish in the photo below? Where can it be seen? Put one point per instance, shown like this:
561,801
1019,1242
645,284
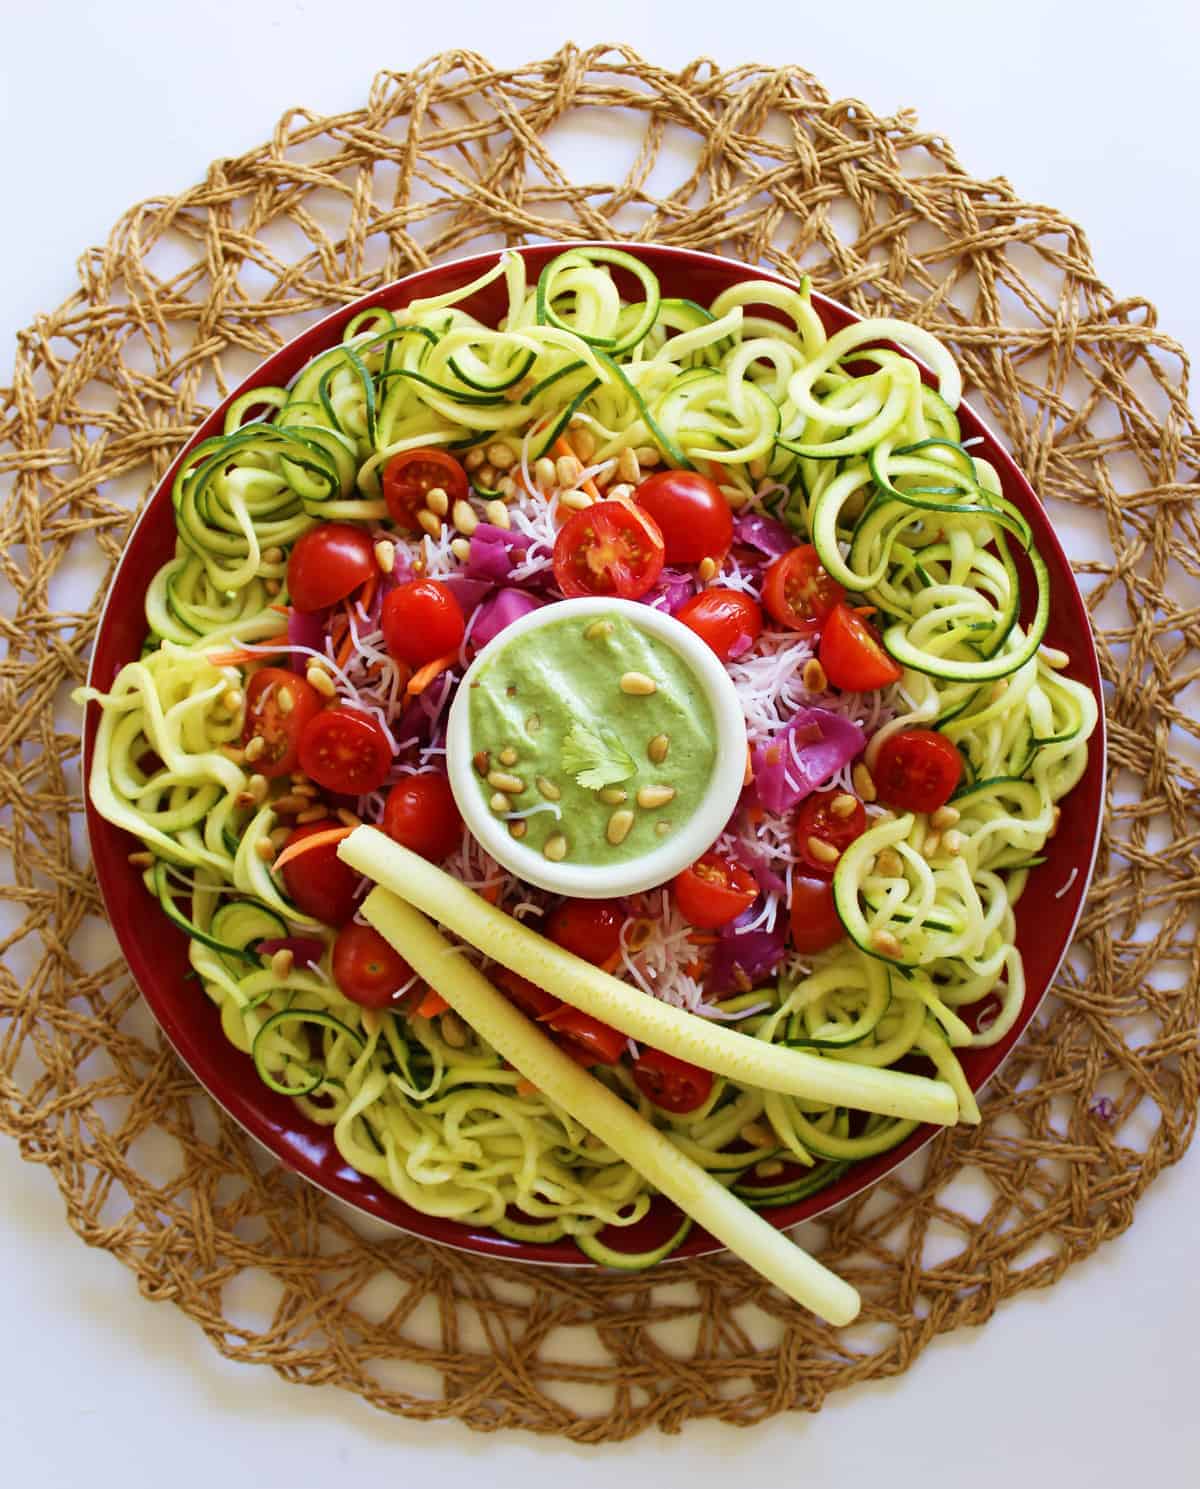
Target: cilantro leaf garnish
595,756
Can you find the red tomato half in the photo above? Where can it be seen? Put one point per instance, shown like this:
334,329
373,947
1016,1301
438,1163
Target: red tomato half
411,475
727,620
601,1041
916,770
797,591
816,819
713,891
609,549
366,969
694,517
815,922
532,1000
279,727
329,563
318,882
421,621
346,750
674,1085
421,813
852,655
589,928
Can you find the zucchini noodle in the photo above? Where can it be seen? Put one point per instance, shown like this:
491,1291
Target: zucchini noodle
837,436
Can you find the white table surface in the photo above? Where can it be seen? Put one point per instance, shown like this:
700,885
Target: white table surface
1091,1383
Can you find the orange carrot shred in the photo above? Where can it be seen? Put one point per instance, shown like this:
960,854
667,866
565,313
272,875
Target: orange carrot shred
280,609
696,939
423,676
431,1005
237,655
611,963
749,773
526,1088
562,446
314,840
491,893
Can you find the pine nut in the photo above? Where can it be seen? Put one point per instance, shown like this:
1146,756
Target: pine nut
813,676
618,826
282,963
568,469
953,842
886,944
518,829
544,473
243,799
348,818
305,788
482,761
501,455
429,523
288,806
613,796
502,780
583,442
507,488
385,555
141,860
486,477
464,517
256,787
628,468
662,828
574,501
313,814
233,698
658,747
652,797
497,514
863,782
638,684
271,586
321,680
508,756
823,852
707,569
499,802
474,458
461,548
889,864
555,848
757,1136
265,849
437,500
622,492
272,555
945,817
255,746
647,455
548,789
769,1168
843,804
597,630
933,841
454,1031
279,836
285,700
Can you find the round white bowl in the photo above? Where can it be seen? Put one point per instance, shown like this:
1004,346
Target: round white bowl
603,881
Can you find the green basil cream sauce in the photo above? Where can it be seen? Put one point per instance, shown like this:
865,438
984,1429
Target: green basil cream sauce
554,696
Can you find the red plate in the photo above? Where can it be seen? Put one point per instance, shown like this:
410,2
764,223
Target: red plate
156,951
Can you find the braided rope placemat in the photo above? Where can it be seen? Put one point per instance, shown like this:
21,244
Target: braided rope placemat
189,292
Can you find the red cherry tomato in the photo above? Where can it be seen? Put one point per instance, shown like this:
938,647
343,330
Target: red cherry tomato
366,968
851,654
589,928
601,1041
421,621
815,922
319,883
609,549
279,729
421,813
817,820
329,563
694,517
346,750
529,998
411,475
672,1084
797,591
727,620
916,770
713,891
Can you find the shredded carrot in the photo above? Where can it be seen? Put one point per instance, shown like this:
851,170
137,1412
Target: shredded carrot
526,1088
610,964
423,676
491,893
694,969
754,815
562,446
696,939
314,840
364,597
432,1004
346,650
280,609
236,656
749,774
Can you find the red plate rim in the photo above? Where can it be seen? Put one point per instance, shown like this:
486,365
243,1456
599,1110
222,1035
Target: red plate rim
192,1025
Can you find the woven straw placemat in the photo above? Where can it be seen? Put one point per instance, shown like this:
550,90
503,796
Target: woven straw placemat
758,163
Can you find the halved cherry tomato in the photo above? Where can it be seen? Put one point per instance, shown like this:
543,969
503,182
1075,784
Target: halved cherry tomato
609,549
589,928
713,891
797,591
329,563
916,770
346,750
319,883
851,654
694,517
817,819
815,922
280,730
672,1084
421,621
727,620
411,475
421,813
602,1041
366,968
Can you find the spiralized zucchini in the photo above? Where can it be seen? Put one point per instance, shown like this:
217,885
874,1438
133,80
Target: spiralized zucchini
855,451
